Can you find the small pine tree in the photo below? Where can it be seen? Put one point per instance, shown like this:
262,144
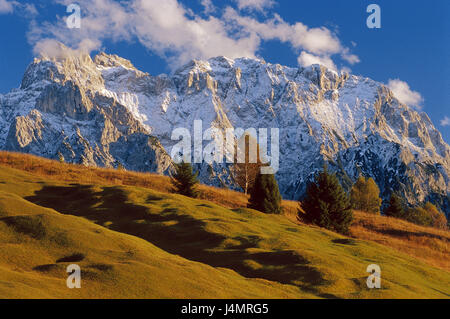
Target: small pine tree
327,204
184,181
396,207
365,196
265,195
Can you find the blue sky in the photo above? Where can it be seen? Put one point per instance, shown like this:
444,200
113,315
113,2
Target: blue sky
410,52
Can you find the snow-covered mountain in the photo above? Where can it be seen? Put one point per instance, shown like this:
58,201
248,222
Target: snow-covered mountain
103,111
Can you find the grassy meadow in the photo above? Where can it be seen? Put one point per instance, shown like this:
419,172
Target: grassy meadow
134,239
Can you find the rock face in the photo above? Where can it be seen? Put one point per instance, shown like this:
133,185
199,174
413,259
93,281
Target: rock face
60,110
105,111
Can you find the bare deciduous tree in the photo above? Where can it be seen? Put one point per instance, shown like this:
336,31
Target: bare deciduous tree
245,170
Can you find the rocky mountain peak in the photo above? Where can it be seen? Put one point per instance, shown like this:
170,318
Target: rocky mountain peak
112,60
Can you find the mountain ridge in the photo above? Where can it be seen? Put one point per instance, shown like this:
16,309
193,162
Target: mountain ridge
103,111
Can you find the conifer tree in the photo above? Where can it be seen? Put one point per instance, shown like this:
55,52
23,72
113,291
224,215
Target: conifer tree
265,195
327,204
396,207
184,180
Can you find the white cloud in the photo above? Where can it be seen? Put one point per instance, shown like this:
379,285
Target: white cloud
306,59
164,28
101,19
349,57
22,9
404,94
256,5
445,121
177,34
6,6
298,35
55,49
317,44
208,6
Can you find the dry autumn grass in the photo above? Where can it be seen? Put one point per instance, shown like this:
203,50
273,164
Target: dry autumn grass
428,244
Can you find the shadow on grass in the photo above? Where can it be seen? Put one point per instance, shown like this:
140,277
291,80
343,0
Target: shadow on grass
45,268
27,225
404,233
344,241
179,234
72,258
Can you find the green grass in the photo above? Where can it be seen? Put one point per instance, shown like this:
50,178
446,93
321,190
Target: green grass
138,243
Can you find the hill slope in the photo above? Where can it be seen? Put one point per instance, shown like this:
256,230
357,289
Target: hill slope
37,244
187,248
428,244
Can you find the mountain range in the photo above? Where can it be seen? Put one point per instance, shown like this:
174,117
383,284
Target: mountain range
102,111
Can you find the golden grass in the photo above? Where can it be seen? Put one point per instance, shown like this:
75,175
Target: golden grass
37,244
54,170
428,244
57,171
141,243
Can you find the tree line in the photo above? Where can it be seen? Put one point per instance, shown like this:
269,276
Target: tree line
326,203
